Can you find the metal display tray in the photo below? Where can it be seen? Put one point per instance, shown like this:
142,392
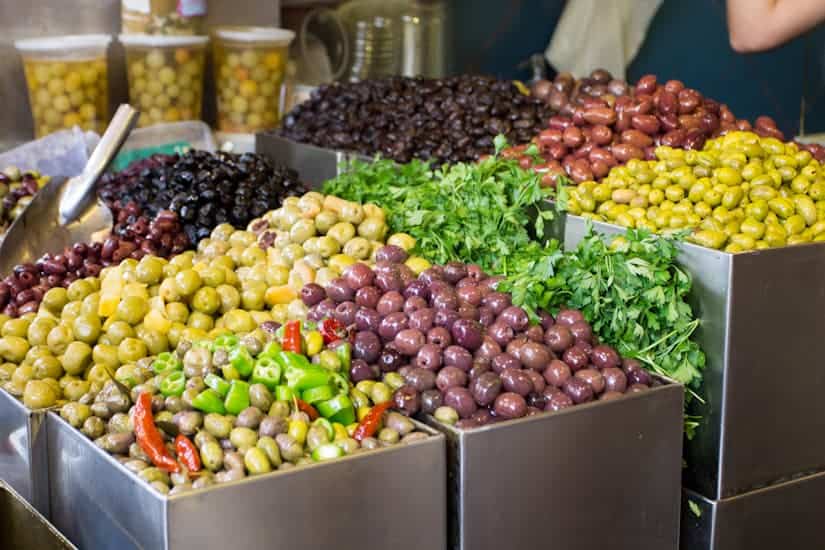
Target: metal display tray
786,515
23,452
595,476
763,331
315,164
389,498
23,528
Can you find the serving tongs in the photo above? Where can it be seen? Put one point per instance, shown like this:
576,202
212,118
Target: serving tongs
65,211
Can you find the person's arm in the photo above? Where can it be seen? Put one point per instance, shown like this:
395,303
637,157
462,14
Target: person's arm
757,25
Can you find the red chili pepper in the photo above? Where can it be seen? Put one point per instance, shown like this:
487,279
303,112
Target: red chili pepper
369,424
305,407
333,330
187,453
292,337
148,436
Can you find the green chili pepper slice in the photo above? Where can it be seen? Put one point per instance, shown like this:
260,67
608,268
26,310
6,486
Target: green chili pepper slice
327,425
338,409
344,352
173,383
241,359
271,349
217,383
224,341
327,451
316,394
238,397
267,371
284,393
209,401
166,362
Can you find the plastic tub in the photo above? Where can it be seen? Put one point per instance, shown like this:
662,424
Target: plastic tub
250,63
67,80
165,76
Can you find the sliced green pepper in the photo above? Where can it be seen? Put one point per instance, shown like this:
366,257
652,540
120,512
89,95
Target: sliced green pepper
217,383
327,451
338,409
344,352
173,384
327,425
271,349
241,359
303,379
209,401
284,393
316,394
224,341
166,362
340,383
238,397
267,371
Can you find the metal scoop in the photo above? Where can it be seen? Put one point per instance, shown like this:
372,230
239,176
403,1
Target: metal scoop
65,211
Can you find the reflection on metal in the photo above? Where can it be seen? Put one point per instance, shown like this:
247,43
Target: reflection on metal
390,498
787,516
600,475
23,459
762,329
24,528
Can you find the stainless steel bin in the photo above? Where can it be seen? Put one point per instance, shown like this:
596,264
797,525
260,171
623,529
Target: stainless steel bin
595,476
390,498
23,452
314,164
24,528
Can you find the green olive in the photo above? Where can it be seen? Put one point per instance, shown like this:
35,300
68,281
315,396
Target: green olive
279,409
325,220
55,298
238,321
155,340
256,461
79,289
59,338
217,425
90,304
381,393
13,348
39,330
212,456
132,309
93,427
47,366
388,435
15,327
230,298
243,437
270,448
206,300
75,389
150,270
130,350
374,229
106,354
38,394
86,328
177,312
342,232
71,311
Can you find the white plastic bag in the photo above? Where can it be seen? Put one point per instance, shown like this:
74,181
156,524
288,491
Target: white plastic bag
63,153
600,34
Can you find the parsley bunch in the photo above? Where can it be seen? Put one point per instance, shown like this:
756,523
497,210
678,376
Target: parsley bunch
471,212
631,291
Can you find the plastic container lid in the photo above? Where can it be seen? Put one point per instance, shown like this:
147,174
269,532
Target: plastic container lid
68,43
161,41
280,37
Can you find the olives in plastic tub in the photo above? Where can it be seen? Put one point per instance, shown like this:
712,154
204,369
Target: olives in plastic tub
67,81
250,64
165,76
163,17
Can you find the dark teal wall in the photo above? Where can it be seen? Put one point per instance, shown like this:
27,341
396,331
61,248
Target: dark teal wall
687,40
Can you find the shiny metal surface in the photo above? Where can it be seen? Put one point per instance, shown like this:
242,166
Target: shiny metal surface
596,476
314,164
23,452
784,516
24,528
394,498
763,331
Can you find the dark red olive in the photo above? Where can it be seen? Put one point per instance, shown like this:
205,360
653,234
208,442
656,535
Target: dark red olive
546,320
429,357
510,405
469,294
485,316
605,357
367,319
576,358
504,361
501,332
534,355
639,376
450,377
391,253
390,302
457,356
610,395
417,288
482,417
578,390
558,401
488,349
446,318
339,290
430,401
461,400
496,301
485,388
409,341
415,303
581,331
312,294
407,400
467,333
390,360
454,272
358,275
345,313
391,325
558,337
516,381
557,373
568,317
367,346
535,333
439,336
420,379
360,370
592,377
537,379
422,319
638,388
615,380
514,317
367,296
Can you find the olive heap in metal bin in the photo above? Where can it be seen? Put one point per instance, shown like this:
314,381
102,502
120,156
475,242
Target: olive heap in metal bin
458,349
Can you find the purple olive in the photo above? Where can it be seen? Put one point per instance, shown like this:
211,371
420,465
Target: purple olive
558,338
478,369
497,301
592,377
467,333
409,341
367,319
486,316
466,281
469,294
615,380
345,313
367,346
488,349
429,357
537,379
439,336
557,373
535,333
485,388
569,316
534,355
549,391
391,325
482,417
391,302
536,400
434,273
461,400
638,388
456,356
360,370
390,280
545,319
610,395
501,332
312,294
391,253
504,361
444,299
455,271
605,357
445,318
422,319
450,377
629,364
467,311
510,405
515,345
516,381
639,376
415,303
578,390
390,360
406,400
325,308
430,401
558,401
367,296
420,379
358,275
582,331
417,288
575,357
514,317
339,290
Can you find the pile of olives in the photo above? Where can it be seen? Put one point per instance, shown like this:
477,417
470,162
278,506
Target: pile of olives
741,192
17,188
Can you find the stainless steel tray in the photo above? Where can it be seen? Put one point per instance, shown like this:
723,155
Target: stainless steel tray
23,452
23,528
786,515
595,476
763,330
390,498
